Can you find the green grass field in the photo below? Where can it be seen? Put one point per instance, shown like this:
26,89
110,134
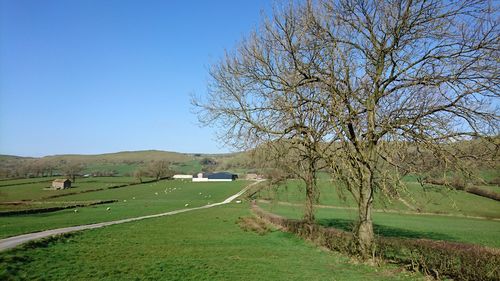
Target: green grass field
437,227
432,199
136,200
119,168
10,182
189,167
39,190
200,245
449,218
208,244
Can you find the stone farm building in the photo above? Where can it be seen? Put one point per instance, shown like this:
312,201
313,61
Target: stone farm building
221,176
61,184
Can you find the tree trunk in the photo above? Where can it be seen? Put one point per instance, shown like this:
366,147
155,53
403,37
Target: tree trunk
311,193
310,199
364,227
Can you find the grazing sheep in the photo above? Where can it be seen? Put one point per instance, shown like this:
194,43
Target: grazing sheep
125,201
133,198
186,205
108,208
238,201
156,193
76,210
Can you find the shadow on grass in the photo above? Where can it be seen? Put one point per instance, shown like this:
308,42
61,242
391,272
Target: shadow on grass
383,230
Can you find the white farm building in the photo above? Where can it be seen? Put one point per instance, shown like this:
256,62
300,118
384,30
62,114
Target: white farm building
182,177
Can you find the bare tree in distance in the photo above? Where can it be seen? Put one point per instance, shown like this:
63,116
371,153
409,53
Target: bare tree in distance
72,169
160,169
386,76
140,173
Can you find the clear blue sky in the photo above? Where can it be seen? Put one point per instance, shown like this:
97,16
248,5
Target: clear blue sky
95,76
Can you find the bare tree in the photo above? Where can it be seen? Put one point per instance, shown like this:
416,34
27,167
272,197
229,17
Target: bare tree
72,169
400,74
259,98
386,76
160,169
140,173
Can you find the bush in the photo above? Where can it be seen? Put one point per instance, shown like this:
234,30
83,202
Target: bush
254,224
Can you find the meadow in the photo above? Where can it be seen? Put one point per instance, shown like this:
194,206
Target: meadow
132,201
201,245
431,212
209,244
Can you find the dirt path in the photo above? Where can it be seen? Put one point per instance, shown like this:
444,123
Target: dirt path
14,241
382,210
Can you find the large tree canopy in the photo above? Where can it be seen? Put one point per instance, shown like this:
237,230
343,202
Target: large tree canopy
364,81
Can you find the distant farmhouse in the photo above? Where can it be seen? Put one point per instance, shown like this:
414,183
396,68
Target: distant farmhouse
182,177
222,176
61,184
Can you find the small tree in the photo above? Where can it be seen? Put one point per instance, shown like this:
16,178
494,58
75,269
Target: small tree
160,169
72,169
139,173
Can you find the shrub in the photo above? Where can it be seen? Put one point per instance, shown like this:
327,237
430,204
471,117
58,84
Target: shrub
254,224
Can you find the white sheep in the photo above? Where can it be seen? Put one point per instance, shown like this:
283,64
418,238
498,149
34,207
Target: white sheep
108,208
186,205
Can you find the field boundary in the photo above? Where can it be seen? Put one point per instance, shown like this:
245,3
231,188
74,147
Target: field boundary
11,242
23,183
49,209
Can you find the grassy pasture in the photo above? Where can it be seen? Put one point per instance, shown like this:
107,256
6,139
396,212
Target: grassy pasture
200,245
120,168
434,199
208,245
437,227
189,167
450,217
38,190
136,200
10,182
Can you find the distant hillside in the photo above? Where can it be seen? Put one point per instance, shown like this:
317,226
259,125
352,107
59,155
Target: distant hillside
119,163
124,156
12,157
